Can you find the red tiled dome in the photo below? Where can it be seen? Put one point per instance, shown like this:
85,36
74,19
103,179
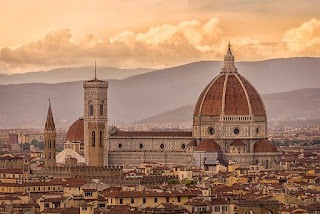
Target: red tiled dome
237,143
76,131
236,97
229,94
208,145
264,146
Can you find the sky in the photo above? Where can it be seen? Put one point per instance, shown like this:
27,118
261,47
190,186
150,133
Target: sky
43,34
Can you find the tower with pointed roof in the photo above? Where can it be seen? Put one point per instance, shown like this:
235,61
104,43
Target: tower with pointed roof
50,140
95,122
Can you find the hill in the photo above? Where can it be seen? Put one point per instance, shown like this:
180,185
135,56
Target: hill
70,74
142,96
303,104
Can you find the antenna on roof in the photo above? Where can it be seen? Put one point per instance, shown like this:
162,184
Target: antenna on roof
95,70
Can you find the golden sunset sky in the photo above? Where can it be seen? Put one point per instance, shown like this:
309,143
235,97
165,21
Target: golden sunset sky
44,34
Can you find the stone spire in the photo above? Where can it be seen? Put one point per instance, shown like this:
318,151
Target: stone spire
50,126
229,62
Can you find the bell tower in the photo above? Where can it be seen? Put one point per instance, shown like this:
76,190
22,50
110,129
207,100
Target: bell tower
50,140
95,122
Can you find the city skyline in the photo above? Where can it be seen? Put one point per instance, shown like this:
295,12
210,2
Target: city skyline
63,34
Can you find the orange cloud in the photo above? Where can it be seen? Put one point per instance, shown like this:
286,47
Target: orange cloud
159,46
305,37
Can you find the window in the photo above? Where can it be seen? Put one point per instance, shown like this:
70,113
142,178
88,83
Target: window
90,108
84,208
49,155
183,146
216,208
119,145
144,200
93,138
236,131
211,131
257,130
101,109
121,201
46,205
54,143
49,144
161,146
101,138
224,208
167,199
141,146
132,200
179,199
88,194
155,200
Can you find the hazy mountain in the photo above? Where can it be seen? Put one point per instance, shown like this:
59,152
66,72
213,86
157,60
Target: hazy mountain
152,93
70,74
292,105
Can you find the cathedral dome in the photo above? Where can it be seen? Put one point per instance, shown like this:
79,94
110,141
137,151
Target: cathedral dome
264,146
208,146
229,94
229,107
76,131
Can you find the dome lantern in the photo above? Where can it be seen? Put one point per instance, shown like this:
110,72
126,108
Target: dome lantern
229,66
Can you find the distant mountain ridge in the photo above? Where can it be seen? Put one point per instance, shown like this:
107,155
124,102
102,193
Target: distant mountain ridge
70,74
145,95
293,105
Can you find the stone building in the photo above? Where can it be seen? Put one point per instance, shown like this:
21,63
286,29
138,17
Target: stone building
230,120
229,125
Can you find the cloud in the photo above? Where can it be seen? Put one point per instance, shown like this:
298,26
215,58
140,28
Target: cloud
159,46
305,38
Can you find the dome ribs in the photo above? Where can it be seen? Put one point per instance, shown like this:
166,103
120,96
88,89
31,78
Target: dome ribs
210,100
257,106
235,98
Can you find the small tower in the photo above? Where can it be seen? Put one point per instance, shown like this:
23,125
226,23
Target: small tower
95,122
50,140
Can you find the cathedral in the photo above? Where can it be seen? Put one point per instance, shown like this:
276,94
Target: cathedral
229,126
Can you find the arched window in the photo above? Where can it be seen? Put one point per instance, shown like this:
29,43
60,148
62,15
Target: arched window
244,150
90,108
239,151
49,144
93,138
233,150
101,138
101,108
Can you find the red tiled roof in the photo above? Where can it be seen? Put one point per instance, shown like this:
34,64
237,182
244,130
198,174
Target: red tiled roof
208,145
76,131
237,143
210,102
264,146
11,171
